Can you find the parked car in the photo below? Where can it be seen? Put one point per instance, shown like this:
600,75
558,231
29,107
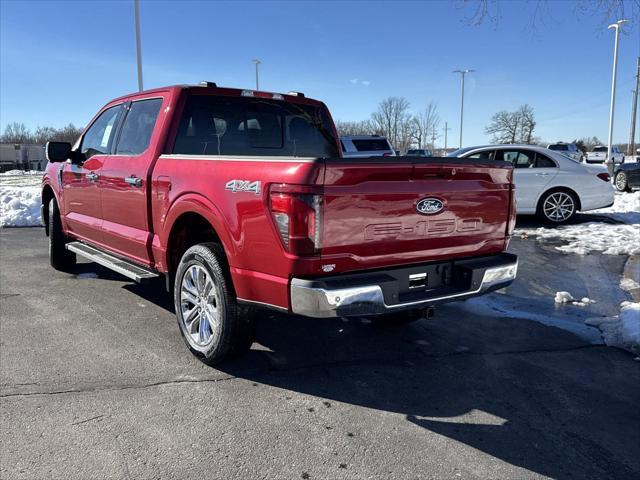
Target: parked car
548,183
599,155
419,152
240,199
366,146
571,150
627,176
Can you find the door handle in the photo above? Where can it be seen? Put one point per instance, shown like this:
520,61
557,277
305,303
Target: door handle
92,177
542,174
134,181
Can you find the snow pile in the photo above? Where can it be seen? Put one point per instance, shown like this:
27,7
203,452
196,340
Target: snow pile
20,198
629,284
566,297
610,239
623,330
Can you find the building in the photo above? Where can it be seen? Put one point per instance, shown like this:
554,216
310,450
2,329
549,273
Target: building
21,157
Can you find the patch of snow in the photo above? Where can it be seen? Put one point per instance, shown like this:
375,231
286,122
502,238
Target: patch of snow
629,284
623,330
20,198
566,297
610,239
19,206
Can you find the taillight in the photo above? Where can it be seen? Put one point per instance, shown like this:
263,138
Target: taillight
298,219
604,177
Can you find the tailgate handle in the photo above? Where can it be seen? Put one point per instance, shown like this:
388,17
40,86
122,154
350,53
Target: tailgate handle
439,173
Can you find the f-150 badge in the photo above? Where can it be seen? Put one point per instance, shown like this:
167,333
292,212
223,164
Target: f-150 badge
236,186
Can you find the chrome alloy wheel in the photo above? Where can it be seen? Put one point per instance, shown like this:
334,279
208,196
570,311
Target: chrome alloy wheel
200,306
621,181
558,207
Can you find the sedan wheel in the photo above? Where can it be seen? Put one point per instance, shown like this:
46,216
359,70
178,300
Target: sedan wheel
558,207
621,182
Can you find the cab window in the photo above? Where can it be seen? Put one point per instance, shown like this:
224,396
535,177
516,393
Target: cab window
99,137
138,127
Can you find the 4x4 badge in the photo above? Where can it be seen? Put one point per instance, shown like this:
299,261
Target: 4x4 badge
236,186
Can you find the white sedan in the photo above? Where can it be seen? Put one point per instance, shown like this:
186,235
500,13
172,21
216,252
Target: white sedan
549,184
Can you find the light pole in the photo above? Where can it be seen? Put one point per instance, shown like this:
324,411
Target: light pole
462,75
136,10
257,62
616,27
446,131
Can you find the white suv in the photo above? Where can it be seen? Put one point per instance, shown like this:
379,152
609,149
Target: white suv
599,155
366,146
571,150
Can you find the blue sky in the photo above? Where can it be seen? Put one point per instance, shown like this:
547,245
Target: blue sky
61,61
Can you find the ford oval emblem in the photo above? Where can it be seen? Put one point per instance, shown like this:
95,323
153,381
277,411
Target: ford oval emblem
429,206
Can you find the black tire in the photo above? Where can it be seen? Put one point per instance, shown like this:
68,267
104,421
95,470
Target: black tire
228,328
59,257
547,215
621,182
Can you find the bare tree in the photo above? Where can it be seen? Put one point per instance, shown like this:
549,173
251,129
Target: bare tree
513,127
69,133
16,133
527,124
538,11
504,127
424,124
363,127
390,119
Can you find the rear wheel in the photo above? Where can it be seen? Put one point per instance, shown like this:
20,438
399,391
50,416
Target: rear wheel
59,257
621,182
557,206
211,322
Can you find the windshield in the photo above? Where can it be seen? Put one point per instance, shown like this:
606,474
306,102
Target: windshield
461,151
371,144
253,127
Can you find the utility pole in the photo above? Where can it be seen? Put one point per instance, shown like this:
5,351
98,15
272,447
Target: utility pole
136,10
462,75
257,62
616,26
631,148
434,135
446,131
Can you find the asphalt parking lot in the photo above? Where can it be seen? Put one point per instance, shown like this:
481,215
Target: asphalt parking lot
97,383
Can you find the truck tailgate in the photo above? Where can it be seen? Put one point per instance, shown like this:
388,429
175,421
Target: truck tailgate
371,217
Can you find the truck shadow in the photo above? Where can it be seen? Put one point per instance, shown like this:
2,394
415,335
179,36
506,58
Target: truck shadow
547,413
531,395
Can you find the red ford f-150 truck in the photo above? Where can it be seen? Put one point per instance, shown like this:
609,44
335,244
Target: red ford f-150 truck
240,199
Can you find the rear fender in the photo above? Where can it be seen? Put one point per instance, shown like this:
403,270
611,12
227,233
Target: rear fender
192,203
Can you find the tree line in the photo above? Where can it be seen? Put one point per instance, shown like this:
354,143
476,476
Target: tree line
18,133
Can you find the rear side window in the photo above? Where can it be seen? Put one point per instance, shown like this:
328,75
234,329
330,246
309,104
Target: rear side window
371,145
253,127
138,127
519,159
99,137
559,148
544,162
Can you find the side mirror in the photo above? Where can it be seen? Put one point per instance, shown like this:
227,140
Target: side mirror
58,151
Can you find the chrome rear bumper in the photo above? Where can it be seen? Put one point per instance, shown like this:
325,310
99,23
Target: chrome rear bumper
321,298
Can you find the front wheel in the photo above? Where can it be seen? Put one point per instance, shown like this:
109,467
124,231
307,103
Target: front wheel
59,257
211,322
557,206
621,182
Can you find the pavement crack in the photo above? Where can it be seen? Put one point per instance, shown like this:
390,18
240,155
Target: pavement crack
115,388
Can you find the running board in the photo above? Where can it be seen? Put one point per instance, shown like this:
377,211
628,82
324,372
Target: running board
128,269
